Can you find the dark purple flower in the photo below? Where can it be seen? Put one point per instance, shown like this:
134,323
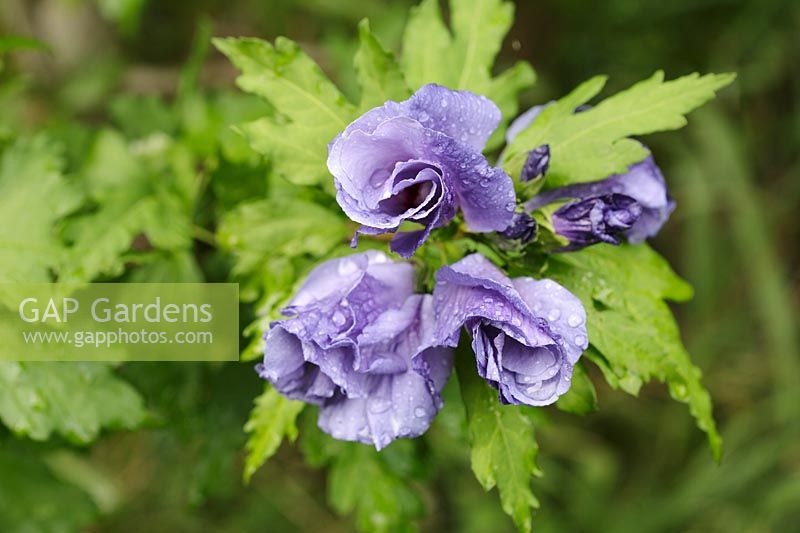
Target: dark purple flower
359,344
419,161
526,334
523,228
537,163
596,219
643,182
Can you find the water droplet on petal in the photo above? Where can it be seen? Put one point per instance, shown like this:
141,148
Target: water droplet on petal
554,315
444,103
420,412
533,388
379,405
338,318
580,340
574,320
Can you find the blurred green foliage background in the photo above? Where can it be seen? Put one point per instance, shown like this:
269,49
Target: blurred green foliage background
132,68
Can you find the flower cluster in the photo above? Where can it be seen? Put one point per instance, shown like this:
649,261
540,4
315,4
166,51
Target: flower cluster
374,355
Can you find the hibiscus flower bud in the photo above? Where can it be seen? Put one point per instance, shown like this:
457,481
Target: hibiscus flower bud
597,219
522,229
537,163
643,182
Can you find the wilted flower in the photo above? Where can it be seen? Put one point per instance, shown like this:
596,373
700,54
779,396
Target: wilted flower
359,344
596,219
419,161
643,183
526,334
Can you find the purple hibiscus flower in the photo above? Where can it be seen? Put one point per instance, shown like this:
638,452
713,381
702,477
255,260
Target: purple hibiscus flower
359,344
526,334
419,161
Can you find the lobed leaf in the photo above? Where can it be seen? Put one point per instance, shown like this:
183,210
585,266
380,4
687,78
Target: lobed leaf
271,420
581,398
624,291
361,481
34,197
464,58
74,400
132,190
503,444
312,108
378,72
596,143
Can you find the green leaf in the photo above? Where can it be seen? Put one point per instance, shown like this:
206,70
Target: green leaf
581,398
272,419
503,445
464,59
279,228
377,70
596,143
479,27
74,400
360,480
34,197
274,241
139,189
312,108
630,325
426,46
373,485
504,91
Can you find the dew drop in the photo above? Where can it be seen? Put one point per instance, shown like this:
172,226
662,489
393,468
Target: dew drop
338,318
420,412
533,389
574,320
580,340
554,315
379,405
444,103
